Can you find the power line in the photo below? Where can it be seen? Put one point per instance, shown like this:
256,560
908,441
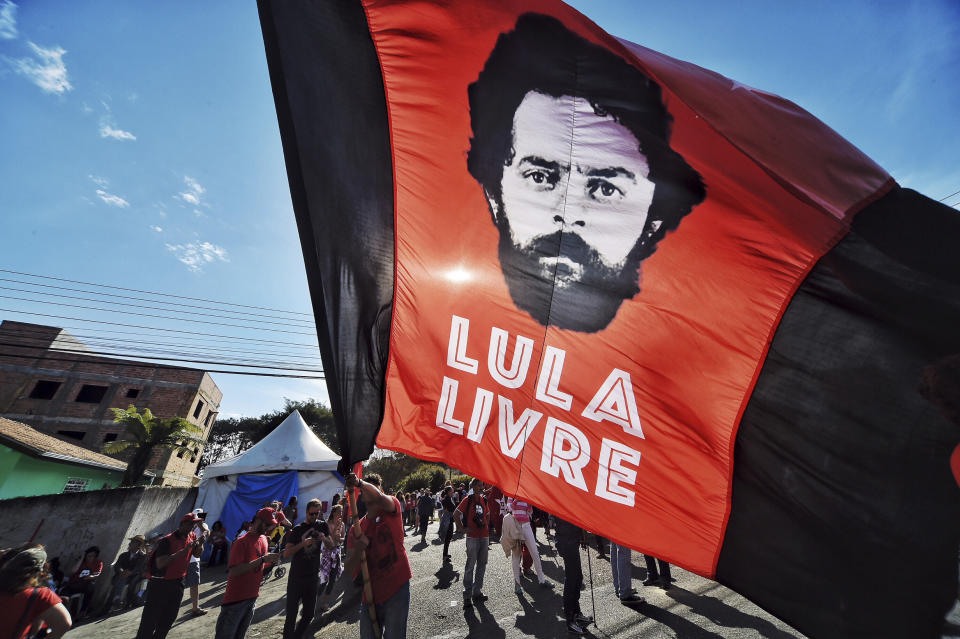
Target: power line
146,353
946,196
138,334
140,299
136,290
123,355
24,333
183,368
128,305
167,317
151,328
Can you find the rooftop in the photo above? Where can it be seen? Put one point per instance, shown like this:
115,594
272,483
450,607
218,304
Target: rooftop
31,441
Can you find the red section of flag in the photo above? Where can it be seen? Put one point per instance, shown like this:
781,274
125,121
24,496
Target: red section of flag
633,423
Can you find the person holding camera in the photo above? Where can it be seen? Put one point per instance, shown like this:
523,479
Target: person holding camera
304,544
474,512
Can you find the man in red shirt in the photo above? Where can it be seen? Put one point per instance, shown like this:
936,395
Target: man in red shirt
380,533
474,512
167,567
247,557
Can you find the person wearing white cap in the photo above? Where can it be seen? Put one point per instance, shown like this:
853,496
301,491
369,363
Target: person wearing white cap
201,531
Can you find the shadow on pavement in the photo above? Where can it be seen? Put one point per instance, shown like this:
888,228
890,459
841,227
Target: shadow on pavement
445,577
481,623
725,615
540,608
680,626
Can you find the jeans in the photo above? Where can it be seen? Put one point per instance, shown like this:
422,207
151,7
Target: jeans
621,566
424,521
572,579
446,540
234,619
652,572
130,582
391,615
300,591
477,550
160,610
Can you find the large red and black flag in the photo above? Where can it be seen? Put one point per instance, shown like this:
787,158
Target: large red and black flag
647,298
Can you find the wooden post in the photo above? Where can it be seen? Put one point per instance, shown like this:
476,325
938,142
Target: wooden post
364,569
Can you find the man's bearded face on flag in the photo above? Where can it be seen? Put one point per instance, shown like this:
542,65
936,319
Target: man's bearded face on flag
571,146
571,211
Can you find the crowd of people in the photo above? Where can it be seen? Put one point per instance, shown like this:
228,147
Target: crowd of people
320,548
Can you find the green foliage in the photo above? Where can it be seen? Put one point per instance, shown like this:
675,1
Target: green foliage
432,476
143,433
458,479
392,468
230,437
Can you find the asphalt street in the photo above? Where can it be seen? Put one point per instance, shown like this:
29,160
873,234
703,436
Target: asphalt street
695,608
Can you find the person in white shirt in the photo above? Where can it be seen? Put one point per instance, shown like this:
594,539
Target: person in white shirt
201,531
522,512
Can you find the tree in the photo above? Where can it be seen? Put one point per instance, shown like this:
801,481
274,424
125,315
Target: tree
231,436
143,433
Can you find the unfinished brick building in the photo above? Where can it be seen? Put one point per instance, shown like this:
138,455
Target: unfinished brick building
68,395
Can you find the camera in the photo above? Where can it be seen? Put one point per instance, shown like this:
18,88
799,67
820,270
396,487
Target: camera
478,516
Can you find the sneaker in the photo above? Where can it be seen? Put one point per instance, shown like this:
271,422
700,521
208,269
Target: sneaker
574,628
632,599
480,597
546,584
651,581
518,590
582,619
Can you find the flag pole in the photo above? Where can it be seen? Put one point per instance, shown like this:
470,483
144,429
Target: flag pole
364,569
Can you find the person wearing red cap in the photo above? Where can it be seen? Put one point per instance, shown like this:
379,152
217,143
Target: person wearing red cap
167,566
247,557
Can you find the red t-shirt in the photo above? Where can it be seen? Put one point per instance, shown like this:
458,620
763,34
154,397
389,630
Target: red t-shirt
521,510
13,608
386,557
475,505
169,545
246,586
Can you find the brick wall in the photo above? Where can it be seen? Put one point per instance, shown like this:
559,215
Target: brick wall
167,392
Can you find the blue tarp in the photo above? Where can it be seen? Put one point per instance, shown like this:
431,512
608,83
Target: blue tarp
251,493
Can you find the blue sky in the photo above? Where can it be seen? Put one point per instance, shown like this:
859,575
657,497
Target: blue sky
139,144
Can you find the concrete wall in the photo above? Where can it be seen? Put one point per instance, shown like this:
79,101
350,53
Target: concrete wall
22,475
72,522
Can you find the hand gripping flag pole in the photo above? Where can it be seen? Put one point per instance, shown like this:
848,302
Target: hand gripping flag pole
352,484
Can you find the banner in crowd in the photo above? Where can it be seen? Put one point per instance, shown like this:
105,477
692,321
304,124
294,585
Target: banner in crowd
674,309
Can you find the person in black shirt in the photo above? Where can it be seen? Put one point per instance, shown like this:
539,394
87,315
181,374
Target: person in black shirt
446,502
303,544
569,538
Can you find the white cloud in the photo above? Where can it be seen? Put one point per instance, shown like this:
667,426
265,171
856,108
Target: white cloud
157,229
46,69
107,131
193,193
197,254
8,20
112,200
99,181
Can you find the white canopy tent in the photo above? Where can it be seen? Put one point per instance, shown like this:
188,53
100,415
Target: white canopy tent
292,446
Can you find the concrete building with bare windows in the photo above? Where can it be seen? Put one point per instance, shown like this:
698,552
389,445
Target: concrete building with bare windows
53,382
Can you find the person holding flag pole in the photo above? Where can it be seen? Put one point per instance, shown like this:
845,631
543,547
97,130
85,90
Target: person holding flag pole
375,549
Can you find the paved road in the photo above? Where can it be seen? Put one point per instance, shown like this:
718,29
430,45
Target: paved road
695,608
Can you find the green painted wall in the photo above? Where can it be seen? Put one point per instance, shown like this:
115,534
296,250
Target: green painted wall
24,476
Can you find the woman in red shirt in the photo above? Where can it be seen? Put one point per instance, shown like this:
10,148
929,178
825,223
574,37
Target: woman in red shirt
26,606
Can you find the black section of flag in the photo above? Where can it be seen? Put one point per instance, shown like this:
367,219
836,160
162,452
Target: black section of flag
331,107
846,518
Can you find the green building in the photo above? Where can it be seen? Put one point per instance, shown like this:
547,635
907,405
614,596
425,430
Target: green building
34,463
